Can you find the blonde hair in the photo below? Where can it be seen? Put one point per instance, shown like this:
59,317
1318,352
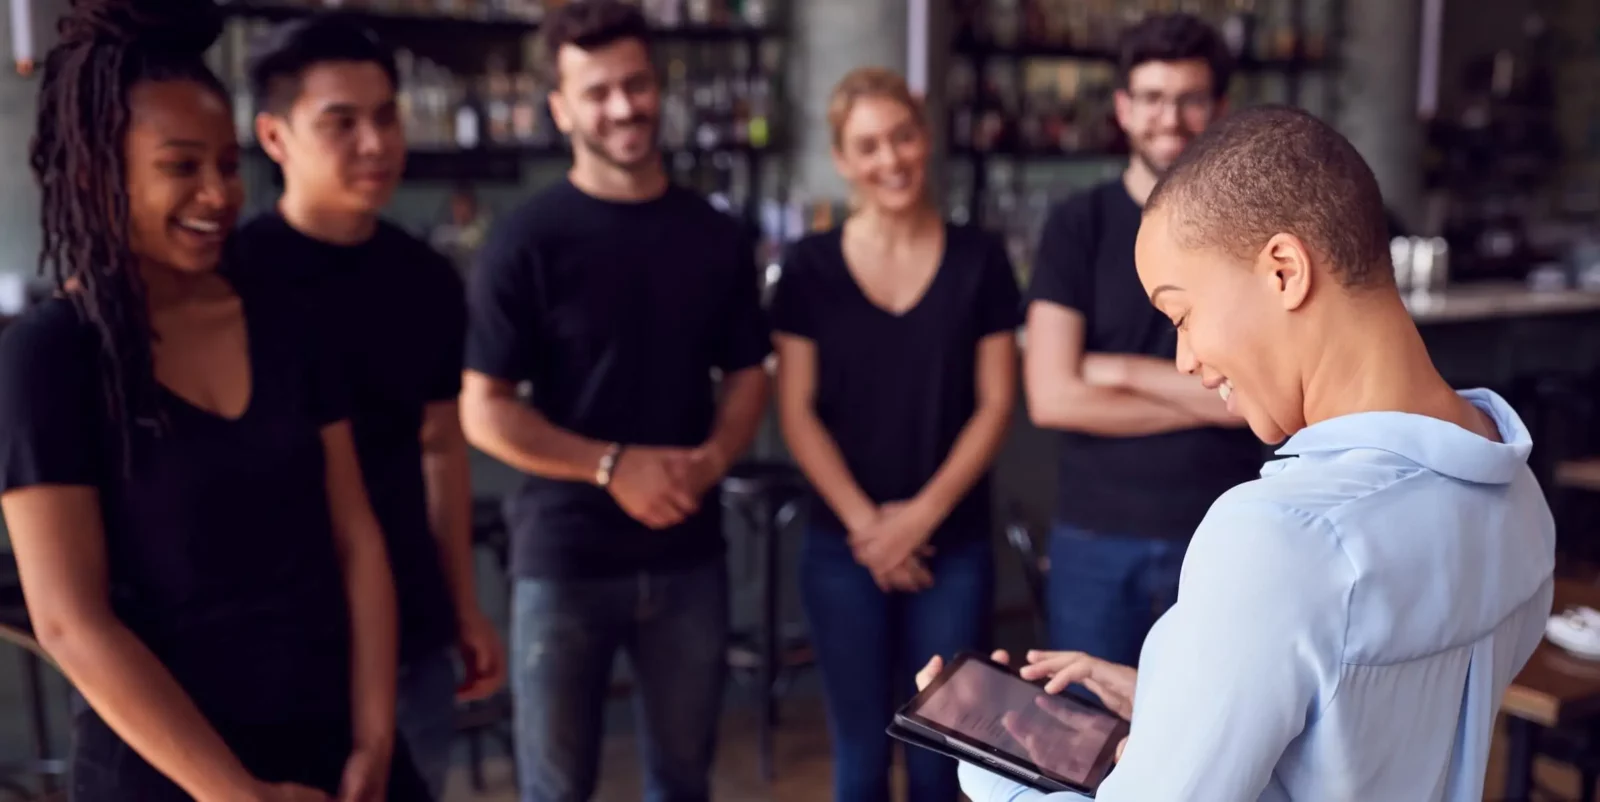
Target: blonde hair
864,82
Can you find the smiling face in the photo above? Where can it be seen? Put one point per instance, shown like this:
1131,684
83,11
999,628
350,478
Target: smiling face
1165,105
1236,319
882,150
182,159
608,102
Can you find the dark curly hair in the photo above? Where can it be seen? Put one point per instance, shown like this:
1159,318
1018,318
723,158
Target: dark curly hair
106,48
1174,37
588,25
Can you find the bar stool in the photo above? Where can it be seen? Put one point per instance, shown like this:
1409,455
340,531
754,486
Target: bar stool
765,496
15,628
493,717
1031,546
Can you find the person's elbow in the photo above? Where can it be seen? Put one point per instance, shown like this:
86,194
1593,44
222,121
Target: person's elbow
71,632
480,413
1057,404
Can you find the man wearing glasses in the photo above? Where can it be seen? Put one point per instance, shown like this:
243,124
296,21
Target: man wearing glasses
1144,449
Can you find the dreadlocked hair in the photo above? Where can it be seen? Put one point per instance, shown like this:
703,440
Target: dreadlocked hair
106,48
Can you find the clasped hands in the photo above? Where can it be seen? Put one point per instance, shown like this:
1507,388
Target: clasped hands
660,487
892,543
1113,683
365,779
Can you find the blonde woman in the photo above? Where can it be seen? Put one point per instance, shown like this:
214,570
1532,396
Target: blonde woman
897,376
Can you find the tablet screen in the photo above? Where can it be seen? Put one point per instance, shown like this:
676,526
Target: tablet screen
1057,733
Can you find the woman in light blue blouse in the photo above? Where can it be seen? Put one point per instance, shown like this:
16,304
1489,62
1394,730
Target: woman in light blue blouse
1347,624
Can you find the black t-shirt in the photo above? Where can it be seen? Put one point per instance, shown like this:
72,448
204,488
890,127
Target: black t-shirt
219,542
895,391
393,311
1154,486
615,314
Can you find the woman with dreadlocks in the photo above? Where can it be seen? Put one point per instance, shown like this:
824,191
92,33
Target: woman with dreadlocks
180,486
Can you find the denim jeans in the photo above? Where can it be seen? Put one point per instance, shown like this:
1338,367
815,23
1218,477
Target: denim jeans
869,645
565,633
1106,591
426,714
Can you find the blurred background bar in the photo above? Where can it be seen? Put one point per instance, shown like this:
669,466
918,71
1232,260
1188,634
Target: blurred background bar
1481,119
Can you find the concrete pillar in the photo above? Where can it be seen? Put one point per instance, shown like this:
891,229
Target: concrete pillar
19,199
832,37
1378,97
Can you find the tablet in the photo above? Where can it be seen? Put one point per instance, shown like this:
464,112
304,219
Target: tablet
984,713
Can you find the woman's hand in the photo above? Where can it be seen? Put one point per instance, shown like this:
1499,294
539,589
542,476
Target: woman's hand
366,776
897,534
1113,683
936,665
288,792
911,576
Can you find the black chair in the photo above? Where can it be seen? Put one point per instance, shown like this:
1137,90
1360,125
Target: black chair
1031,548
44,766
491,718
765,497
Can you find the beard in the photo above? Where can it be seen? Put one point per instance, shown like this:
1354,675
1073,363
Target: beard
1157,166
595,145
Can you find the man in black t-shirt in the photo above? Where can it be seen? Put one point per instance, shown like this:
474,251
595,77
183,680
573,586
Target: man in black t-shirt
613,297
1144,448
393,312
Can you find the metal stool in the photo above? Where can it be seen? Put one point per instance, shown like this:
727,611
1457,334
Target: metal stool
765,497
492,717
15,628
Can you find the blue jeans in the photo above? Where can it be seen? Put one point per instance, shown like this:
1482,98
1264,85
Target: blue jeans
565,635
426,715
1106,591
869,645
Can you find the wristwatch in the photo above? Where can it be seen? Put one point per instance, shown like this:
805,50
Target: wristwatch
608,464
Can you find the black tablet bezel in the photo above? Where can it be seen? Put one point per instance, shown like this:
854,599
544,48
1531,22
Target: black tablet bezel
1104,762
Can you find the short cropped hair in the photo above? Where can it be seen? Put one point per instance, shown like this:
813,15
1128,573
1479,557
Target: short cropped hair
1174,37
588,25
1274,169
294,47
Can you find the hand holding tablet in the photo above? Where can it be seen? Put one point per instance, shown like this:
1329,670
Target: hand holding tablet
983,712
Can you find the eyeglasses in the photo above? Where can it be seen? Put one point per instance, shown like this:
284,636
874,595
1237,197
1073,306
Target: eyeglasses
1186,103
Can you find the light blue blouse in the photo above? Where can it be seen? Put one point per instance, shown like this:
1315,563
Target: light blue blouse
1346,625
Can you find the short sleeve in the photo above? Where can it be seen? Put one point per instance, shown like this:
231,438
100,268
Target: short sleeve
999,300
793,309
442,381
502,304
746,337
1063,266
52,412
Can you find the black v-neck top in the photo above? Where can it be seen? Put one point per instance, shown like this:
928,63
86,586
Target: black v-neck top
219,540
895,390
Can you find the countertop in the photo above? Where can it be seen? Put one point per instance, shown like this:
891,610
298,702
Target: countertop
1488,301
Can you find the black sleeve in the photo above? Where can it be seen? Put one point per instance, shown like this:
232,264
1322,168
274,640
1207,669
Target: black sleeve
449,317
1063,267
502,305
999,300
52,414
792,307
746,339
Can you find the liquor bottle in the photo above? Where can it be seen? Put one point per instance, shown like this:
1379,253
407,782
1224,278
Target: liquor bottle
1239,29
676,116
497,102
757,13
524,112
468,117
405,93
